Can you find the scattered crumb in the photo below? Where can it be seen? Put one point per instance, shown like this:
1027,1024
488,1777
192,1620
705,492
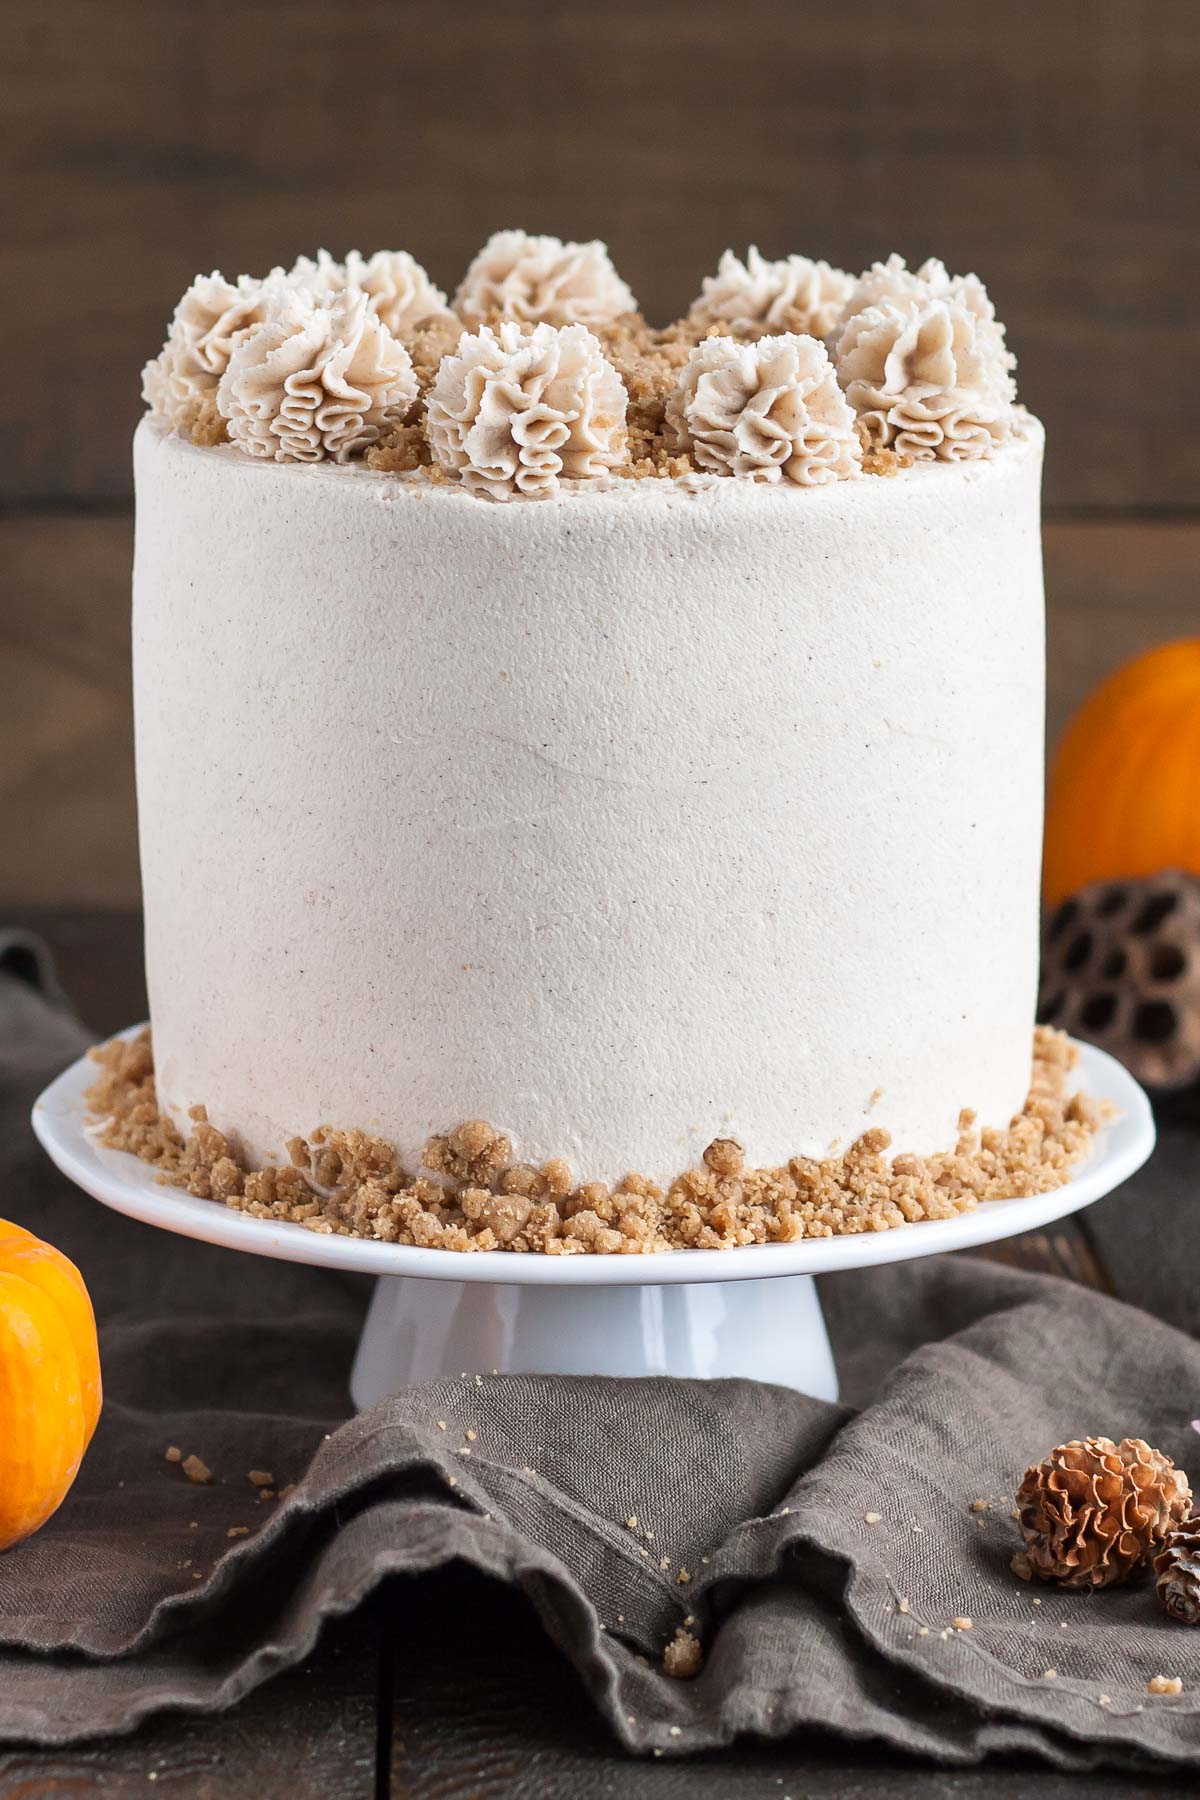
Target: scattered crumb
979,1506
724,1157
1020,1565
441,1424
1104,1700
631,1521
877,461
235,1531
351,1184
1049,1674
403,450
683,1656
195,1470
1036,1601
872,1518
962,1623
471,1436
260,1478
173,1453
676,1730
1164,1684
902,1606
683,1577
206,424
922,1631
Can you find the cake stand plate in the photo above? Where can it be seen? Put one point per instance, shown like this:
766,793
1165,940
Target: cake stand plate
751,1312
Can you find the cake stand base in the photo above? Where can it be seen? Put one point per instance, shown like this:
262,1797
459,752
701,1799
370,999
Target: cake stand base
752,1311
770,1330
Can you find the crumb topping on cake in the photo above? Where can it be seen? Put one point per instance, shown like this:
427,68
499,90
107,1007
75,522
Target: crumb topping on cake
916,358
472,1195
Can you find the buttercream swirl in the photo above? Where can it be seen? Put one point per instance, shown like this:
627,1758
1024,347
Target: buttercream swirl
756,296
770,410
542,280
399,291
315,381
208,322
923,361
518,409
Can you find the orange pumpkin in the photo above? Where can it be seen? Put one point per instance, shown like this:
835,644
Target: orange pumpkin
50,1392
1125,787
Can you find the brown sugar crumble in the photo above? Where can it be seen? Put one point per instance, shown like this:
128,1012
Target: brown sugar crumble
471,1195
196,1470
683,1656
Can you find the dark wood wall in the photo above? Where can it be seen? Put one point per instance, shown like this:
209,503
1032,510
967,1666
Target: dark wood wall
1051,145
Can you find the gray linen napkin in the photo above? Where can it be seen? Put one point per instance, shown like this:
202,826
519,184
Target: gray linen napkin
135,1598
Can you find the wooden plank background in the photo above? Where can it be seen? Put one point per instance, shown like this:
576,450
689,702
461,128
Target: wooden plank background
1051,147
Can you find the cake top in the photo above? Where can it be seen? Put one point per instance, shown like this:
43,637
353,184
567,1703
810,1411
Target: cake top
542,375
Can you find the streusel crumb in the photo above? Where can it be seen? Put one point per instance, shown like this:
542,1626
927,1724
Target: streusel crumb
472,1196
878,461
683,1656
401,451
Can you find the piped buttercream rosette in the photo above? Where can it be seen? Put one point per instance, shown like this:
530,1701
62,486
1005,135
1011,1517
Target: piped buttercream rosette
768,411
314,381
923,362
209,320
542,280
757,296
518,409
399,291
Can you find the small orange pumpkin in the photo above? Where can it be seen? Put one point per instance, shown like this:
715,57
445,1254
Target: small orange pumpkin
50,1390
1125,788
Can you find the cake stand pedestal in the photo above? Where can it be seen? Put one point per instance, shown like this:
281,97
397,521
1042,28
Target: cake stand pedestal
766,1330
751,1312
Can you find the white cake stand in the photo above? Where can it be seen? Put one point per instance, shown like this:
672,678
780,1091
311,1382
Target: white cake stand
751,1312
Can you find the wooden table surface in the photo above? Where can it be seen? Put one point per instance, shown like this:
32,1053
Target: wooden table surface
445,1686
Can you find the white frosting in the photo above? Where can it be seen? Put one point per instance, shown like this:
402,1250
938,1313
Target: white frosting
515,410
765,410
923,360
399,291
534,279
313,381
209,320
625,821
794,294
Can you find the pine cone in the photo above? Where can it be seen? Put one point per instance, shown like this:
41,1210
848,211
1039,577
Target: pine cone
1121,968
1094,1512
1177,1566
